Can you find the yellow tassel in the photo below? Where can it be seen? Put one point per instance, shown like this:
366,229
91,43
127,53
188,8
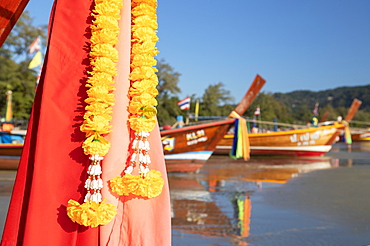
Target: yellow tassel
91,213
150,186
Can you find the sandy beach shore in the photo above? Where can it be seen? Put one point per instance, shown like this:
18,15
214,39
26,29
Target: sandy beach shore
6,185
325,207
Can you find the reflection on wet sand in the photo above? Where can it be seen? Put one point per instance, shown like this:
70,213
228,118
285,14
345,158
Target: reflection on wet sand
216,202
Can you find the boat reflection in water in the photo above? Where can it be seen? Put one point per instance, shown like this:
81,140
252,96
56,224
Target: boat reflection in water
216,202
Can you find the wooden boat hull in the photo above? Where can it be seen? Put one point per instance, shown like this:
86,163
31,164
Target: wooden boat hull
9,162
11,149
361,137
304,142
10,155
187,149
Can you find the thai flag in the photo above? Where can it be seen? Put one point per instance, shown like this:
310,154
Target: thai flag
258,111
35,46
315,111
184,103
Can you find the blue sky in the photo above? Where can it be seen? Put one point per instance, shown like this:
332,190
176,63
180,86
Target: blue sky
295,45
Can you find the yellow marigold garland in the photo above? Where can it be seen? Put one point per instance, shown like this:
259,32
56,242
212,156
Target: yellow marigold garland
142,92
103,58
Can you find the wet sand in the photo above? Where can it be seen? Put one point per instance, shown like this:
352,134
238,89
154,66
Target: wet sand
325,207
6,186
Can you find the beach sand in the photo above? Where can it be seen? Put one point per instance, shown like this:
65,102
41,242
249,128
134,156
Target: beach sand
325,207
6,185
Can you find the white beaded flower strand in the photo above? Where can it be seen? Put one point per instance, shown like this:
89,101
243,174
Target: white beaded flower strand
140,154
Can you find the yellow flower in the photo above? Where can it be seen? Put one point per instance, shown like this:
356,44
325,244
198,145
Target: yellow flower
104,36
142,124
149,111
145,20
143,60
105,8
151,90
104,50
91,213
103,64
144,33
137,104
100,90
139,73
134,107
150,2
124,185
96,146
145,84
100,78
145,47
143,9
105,22
145,99
98,123
99,111
107,99
150,186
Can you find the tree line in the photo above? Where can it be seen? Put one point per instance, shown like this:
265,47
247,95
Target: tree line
293,108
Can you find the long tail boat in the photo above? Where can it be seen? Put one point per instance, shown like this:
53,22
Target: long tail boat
358,135
313,141
11,146
186,149
361,137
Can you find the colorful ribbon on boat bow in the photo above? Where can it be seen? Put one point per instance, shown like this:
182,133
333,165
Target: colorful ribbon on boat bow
241,147
347,132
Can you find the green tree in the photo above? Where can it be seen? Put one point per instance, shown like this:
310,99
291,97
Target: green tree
216,101
168,79
270,110
20,38
14,72
168,89
302,114
167,110
330,111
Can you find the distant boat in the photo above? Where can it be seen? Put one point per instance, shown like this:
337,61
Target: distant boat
11,146
186,149
313,141
359,136
302,142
